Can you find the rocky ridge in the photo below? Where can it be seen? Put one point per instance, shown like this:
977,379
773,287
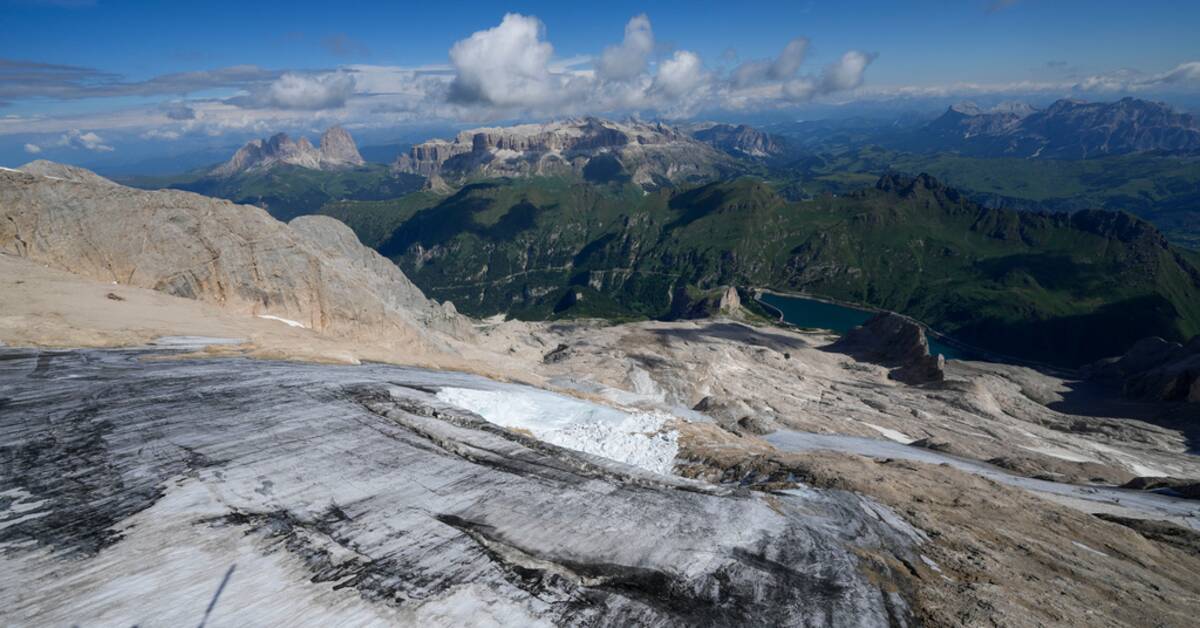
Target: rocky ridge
896,342
648,154
336,151
1155,370
1067,129
742,140
312,272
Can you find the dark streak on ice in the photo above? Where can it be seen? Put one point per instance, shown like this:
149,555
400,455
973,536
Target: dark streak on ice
376,486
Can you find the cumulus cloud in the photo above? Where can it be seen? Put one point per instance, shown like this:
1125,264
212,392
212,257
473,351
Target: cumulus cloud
782,68
680,74
83,140
628,59
505,66
33,149
509,70
847,72
304,92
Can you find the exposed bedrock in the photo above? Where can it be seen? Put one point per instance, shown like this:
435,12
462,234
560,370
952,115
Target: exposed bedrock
896,342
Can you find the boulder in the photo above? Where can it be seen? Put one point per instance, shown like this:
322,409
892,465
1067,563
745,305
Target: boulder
894,341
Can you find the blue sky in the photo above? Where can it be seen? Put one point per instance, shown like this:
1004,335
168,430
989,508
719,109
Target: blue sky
115,69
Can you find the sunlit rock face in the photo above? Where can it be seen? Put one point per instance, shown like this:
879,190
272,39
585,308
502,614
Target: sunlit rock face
135,488
647,154
336,151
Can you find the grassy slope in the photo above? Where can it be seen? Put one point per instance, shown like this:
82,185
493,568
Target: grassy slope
1162,189
1059,288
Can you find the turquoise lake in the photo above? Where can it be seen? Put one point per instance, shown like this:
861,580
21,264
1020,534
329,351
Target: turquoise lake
803,312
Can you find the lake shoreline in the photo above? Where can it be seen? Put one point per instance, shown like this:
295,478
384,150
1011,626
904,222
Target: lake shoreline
971,352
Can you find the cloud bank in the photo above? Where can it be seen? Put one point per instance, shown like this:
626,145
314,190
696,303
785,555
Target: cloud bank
508,71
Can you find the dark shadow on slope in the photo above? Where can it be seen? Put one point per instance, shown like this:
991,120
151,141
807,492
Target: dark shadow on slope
735,332
1086,398
456,215
1072,341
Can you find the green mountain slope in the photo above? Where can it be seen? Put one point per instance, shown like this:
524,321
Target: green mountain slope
1059,288
1164,189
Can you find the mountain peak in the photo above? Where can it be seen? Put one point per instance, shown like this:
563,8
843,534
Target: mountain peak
1068,128
337,151
648,154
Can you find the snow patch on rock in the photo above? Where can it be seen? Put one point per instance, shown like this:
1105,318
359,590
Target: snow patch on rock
640,439
288,321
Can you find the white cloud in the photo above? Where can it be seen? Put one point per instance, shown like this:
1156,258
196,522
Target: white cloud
627,60
1183,73
506,71
505,66
1128,80
178,110
33,149
782,68
88,140
304,92
680,74
847,72
161,134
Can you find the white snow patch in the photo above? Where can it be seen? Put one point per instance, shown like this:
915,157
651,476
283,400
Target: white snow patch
634,438
1131,461
899,437
932,565
9,169
1086,548
289,321
1060,453
196,342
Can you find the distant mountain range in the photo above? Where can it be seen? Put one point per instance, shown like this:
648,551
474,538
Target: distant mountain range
336,151
651,155
1067,129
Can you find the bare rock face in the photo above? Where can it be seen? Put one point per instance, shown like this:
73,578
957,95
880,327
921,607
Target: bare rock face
314,272
742,140
730,301
337,147
894,341
55,170
337,151
1154,370
1068,128
644,153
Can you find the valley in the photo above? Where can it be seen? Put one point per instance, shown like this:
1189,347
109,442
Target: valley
592,372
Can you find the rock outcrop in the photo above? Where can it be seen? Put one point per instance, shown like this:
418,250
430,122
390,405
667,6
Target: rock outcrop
1154,370
1070,129
742,140
337,151
896,342
313,272
648,154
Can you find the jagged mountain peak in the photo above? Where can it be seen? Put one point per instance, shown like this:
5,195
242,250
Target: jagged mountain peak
337,151
650,154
